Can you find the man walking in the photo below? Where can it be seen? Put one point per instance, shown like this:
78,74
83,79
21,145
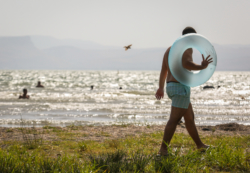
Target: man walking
180,96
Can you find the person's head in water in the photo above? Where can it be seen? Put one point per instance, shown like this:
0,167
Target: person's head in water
92,87
24,96
25,91
39,84
188,30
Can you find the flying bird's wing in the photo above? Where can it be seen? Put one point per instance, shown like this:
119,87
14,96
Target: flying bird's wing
127,47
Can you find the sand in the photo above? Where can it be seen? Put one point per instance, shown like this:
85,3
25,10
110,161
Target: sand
101,133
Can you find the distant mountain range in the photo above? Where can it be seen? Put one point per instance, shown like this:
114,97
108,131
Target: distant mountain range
48,53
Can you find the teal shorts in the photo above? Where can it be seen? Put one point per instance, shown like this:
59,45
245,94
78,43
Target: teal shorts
179,94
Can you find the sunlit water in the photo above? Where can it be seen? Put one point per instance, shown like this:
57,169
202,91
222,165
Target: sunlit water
67,98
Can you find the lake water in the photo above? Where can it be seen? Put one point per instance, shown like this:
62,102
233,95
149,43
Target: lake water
67,98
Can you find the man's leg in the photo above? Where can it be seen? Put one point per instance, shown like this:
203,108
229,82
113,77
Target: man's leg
191,128
175,117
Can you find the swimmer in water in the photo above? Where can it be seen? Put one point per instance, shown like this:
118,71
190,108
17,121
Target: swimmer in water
24,96
39,85
180,96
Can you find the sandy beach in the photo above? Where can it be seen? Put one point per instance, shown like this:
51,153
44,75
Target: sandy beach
102,133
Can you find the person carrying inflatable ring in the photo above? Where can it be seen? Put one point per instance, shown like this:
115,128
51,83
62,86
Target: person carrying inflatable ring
180,96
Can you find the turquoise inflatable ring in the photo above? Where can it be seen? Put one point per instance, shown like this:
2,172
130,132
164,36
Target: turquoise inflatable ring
184,76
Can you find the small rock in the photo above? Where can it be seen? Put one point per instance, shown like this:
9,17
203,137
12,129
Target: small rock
231,127
208,87
180,122
206,129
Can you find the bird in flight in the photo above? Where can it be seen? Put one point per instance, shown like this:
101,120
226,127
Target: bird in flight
127,47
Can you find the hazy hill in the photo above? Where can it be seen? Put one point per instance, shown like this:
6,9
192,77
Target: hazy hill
134,59
45,42
18,52
233,57
42,52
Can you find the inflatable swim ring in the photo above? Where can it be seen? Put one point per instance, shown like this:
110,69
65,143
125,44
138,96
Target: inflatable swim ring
184,76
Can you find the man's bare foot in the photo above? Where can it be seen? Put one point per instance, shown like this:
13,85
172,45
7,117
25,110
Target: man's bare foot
203,147
163,152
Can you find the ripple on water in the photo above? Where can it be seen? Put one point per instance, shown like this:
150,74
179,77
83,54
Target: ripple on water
67,98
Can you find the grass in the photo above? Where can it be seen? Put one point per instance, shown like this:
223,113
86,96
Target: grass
32,137
114,143
66,153
102,134
9,130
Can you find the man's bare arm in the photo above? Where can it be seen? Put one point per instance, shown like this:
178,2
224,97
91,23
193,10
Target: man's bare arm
164,71
187,61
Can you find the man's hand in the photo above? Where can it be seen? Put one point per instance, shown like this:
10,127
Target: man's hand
159,94
206,61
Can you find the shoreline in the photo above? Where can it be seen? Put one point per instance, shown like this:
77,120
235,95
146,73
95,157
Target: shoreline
111,132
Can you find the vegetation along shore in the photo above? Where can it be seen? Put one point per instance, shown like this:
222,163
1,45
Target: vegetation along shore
122,148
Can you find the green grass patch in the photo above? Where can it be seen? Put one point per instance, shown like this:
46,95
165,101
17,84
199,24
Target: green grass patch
131,154
9,130
102,133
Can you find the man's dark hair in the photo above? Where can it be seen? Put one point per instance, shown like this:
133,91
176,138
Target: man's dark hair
24,90
188,30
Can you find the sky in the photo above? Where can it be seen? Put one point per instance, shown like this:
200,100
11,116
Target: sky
143,23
